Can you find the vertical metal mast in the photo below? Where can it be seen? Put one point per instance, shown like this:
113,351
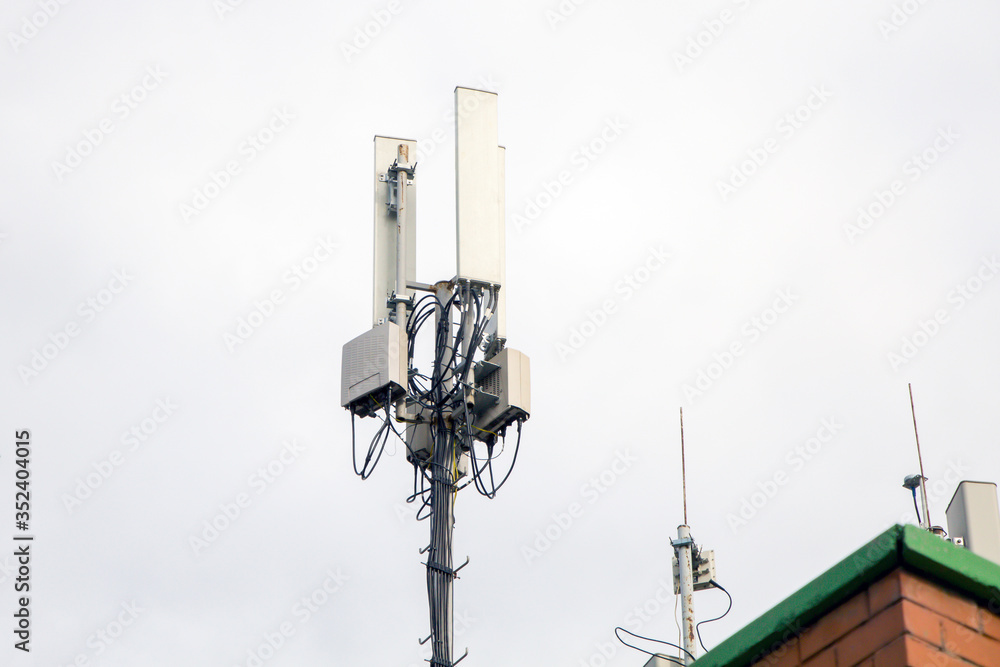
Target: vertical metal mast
402,167
682,548
923,487
440,575
684,479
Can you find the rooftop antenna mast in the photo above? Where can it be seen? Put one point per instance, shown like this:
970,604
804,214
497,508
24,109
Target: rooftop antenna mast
684,482
684,548
476,387
694,570
908,483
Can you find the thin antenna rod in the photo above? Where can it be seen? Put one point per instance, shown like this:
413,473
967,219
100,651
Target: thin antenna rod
920,459
684,485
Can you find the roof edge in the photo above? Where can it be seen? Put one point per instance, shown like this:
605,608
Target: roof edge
960,568
789,617
909,547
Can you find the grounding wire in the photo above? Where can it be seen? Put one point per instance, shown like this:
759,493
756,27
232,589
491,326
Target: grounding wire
677,598
376,447
517,447
714,583
916,507
472,453
366,469
477,471
665,657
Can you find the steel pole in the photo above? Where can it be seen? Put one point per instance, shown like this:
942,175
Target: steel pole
402,159
923,487
682,547
440,564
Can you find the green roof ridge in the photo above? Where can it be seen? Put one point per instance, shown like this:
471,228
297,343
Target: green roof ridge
971,573
908,546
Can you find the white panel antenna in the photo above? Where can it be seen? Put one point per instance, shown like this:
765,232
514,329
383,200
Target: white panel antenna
387,152
479,231
974,515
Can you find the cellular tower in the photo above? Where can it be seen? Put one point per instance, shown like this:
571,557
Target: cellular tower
452,397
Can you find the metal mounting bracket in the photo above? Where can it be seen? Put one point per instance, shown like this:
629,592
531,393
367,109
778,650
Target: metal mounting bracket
391,301
434,662
393,178
452,573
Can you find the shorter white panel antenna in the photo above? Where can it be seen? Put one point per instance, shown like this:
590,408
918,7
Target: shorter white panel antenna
384,283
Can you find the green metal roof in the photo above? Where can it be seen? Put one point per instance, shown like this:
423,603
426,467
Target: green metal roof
909,547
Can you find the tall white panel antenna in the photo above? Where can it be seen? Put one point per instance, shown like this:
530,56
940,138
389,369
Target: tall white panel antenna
384,283
479,231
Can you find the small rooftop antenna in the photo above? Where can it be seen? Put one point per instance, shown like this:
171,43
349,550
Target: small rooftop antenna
908,483
693,570
684,484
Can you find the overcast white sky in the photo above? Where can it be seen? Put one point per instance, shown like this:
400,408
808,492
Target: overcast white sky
803,196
